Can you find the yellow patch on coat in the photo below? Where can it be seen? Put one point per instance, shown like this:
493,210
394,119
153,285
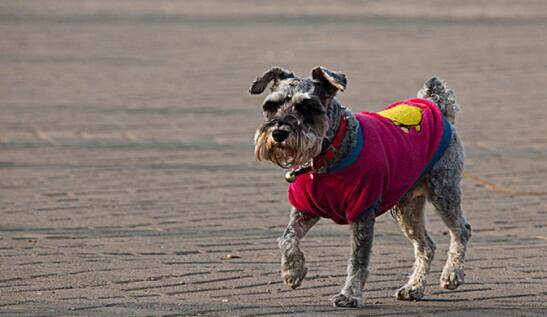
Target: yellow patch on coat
404,116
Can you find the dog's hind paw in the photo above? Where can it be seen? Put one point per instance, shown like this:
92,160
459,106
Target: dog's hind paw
341,300
410,292
452,277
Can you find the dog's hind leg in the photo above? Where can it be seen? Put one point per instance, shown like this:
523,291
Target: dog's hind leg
362,231
293,269
445,194
410,215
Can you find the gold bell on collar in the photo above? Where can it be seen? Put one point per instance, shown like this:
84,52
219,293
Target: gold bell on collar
290,176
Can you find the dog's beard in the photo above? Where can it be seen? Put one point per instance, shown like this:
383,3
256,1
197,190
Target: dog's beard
298,149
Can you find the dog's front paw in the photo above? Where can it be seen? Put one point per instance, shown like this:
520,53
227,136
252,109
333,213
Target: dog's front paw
452,277
293,270
294,277
410,292
341,300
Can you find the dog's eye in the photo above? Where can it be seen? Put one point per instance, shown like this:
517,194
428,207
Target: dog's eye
309,107
270,106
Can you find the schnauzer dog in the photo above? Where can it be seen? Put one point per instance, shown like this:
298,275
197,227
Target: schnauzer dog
353,167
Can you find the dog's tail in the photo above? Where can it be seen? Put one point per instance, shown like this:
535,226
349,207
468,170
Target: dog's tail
436,90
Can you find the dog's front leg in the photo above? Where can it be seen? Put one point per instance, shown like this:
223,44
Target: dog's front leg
362,231
293,269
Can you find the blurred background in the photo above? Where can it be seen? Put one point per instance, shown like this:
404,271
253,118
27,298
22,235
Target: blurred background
126,159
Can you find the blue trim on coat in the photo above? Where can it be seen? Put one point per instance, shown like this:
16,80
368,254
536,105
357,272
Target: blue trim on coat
351,157
443,145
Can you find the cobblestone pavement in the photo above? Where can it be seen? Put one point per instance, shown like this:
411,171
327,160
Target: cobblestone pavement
127,173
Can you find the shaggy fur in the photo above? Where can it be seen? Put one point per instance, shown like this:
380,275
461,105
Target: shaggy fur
301,119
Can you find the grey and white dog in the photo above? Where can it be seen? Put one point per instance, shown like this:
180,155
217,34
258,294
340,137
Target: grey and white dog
301,118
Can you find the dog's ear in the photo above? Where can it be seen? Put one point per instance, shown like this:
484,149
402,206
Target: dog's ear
275,73
329,79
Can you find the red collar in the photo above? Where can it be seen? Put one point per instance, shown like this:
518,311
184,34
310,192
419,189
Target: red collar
325,157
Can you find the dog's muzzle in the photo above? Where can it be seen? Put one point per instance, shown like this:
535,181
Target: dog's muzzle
280,135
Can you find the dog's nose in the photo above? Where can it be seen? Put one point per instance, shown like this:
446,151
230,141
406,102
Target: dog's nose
280,135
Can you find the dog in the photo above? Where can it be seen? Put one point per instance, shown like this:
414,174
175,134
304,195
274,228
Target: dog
354,167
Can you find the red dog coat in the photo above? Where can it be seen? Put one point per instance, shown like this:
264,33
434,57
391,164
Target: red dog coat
395,148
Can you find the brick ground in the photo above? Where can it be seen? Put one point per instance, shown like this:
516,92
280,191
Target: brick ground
126,154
